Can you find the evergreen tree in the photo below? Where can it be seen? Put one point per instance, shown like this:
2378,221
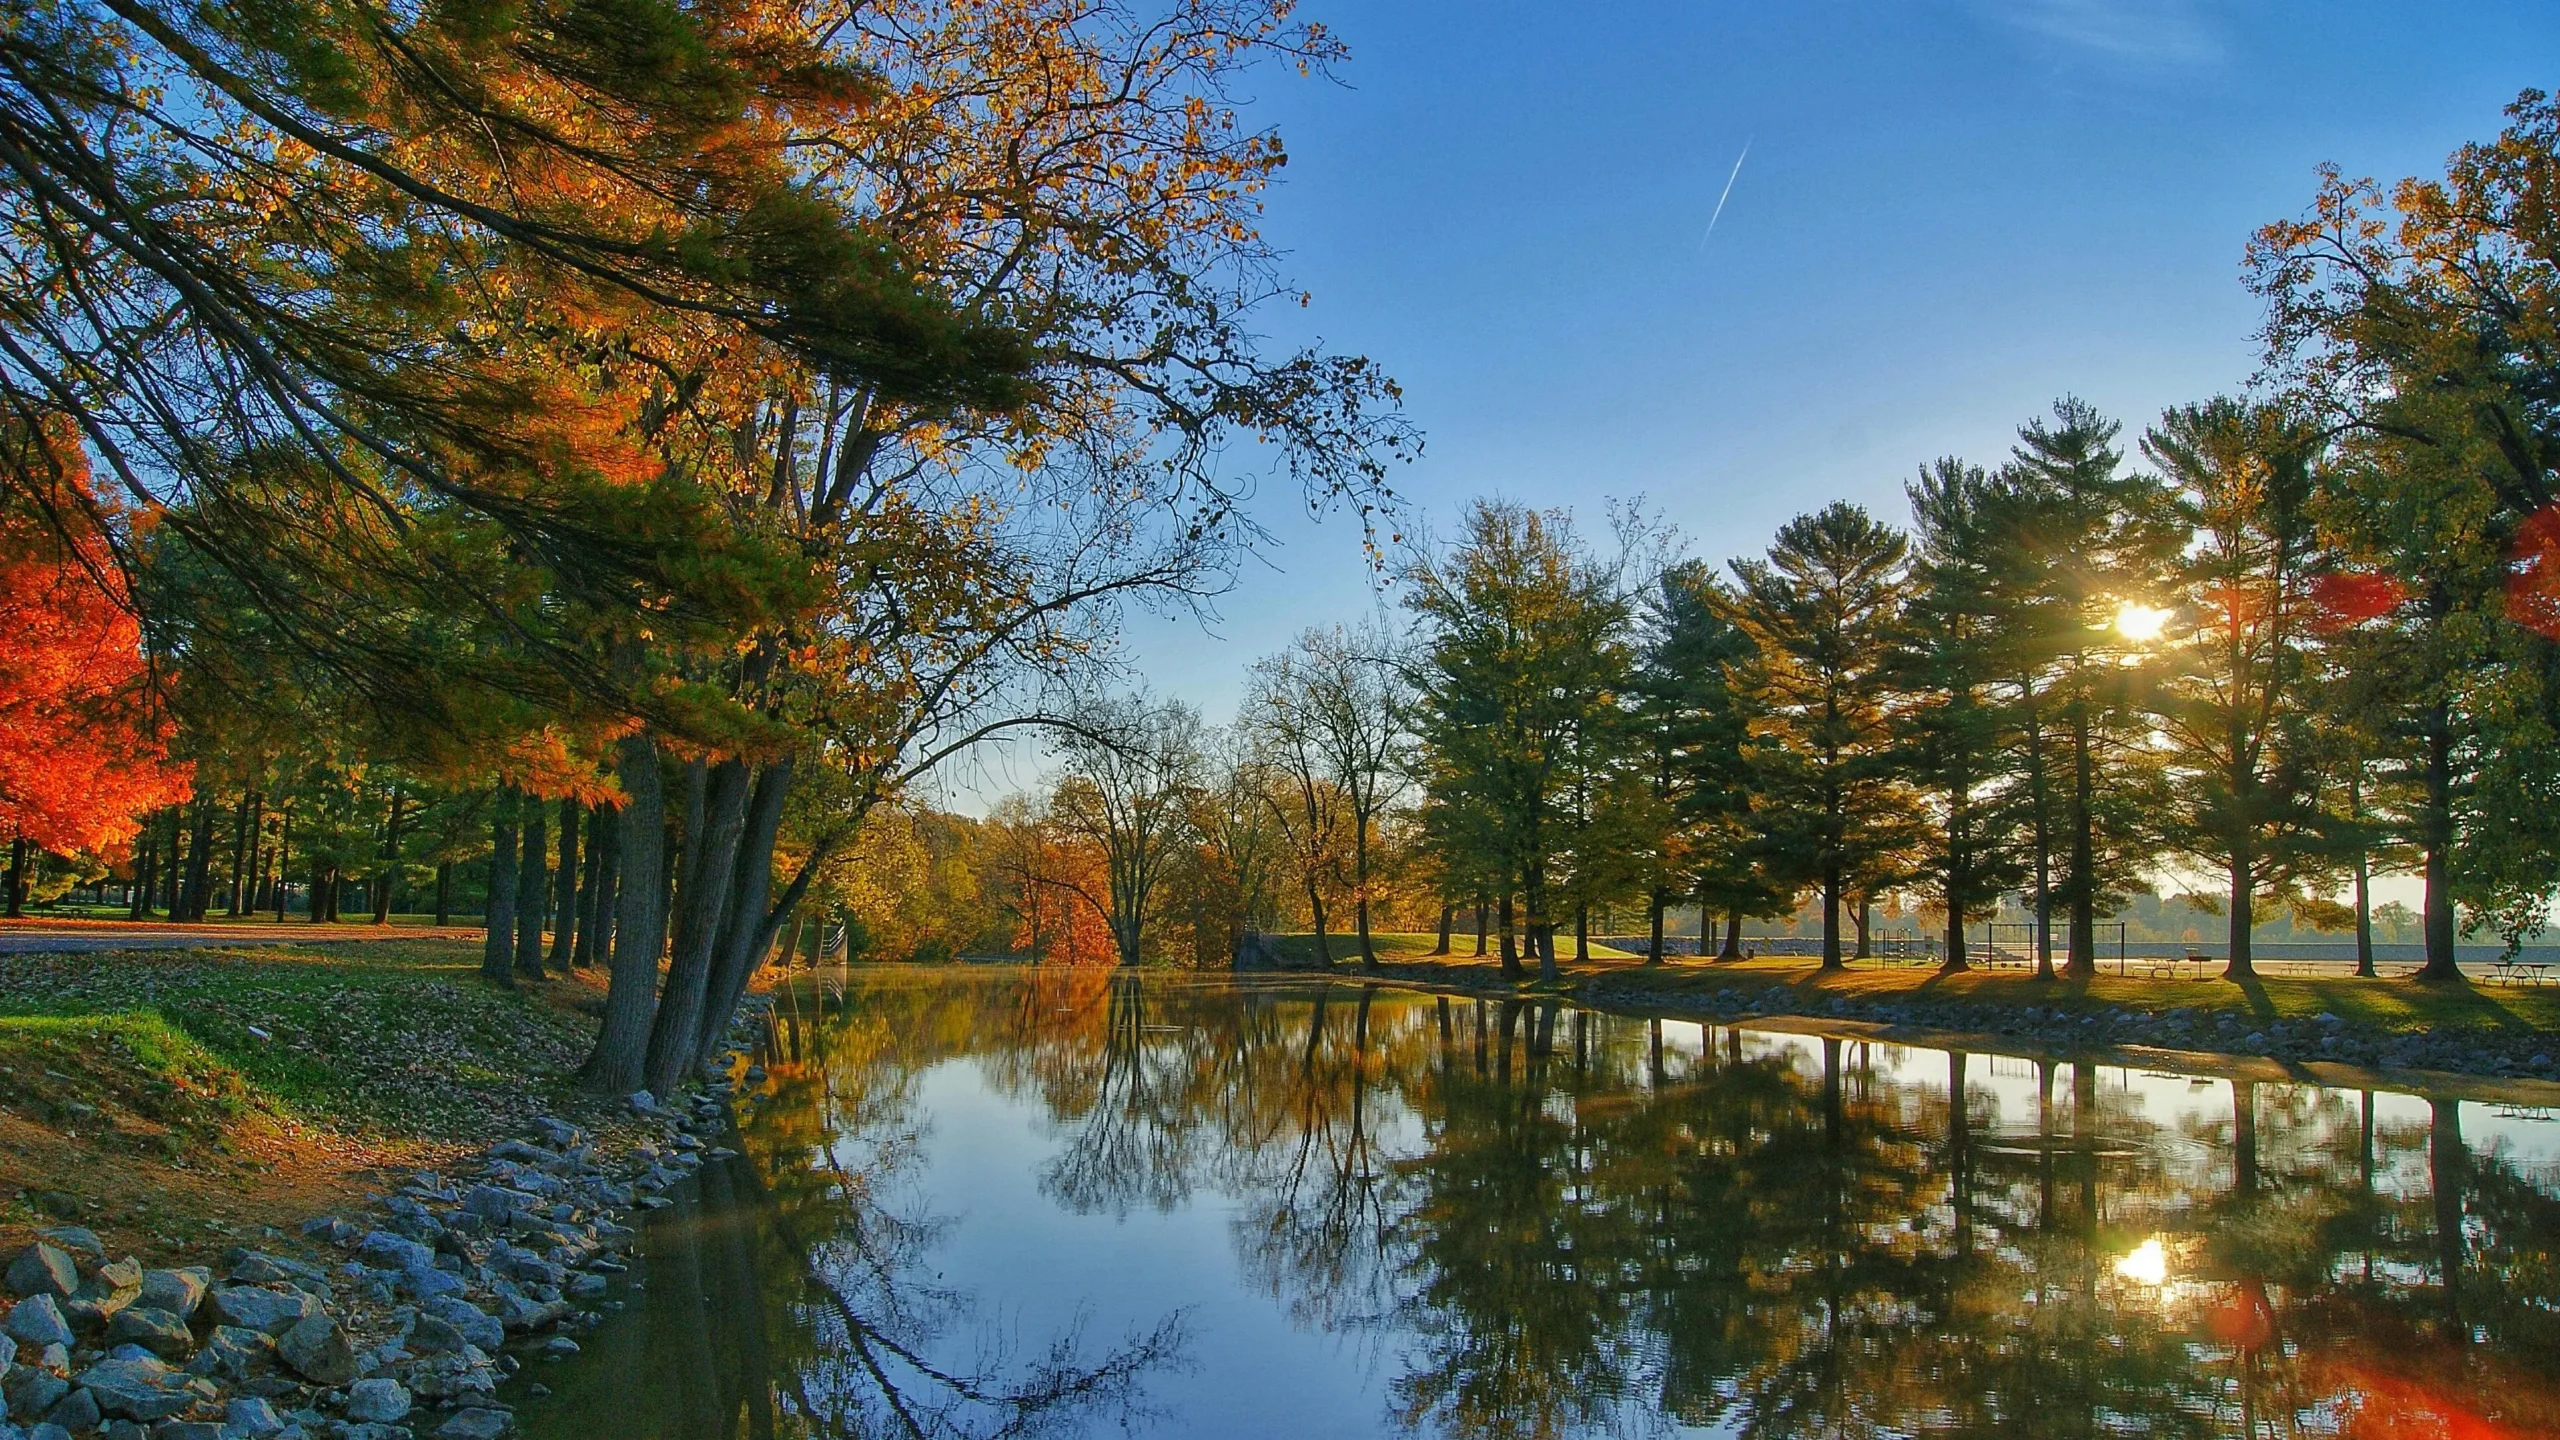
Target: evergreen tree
1823,611
2233,696
1525,637
1692,687
2098,539
1951,732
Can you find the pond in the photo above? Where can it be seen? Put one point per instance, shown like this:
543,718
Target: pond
1062,1202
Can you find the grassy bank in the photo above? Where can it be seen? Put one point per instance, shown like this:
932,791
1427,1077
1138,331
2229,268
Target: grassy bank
159,1096
2383,1006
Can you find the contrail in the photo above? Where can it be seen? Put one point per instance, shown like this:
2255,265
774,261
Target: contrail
1727,195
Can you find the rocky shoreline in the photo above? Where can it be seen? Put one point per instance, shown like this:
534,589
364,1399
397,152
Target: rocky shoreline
395,1324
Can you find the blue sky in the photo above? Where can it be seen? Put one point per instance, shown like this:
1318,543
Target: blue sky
1952,212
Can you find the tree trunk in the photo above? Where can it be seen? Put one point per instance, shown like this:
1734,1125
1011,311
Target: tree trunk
169,859
17,906
2441,963
1866,921
390,873
1831,919
2241,920
145,863
608,887
582,949
1511,969
1955,963
284,858
619,1059
2363,874
1659,901
497,950
1448,917
531,893
1481,914
2083,961
239,857
1732,947
1533,894
1315,909
564,896
2447,1165
700,902
199,887
1581,932
748,927
444,893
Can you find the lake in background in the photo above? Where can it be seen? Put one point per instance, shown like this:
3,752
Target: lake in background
1070,1202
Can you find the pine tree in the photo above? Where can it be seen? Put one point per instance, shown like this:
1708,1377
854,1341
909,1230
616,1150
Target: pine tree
1823,611
1952,733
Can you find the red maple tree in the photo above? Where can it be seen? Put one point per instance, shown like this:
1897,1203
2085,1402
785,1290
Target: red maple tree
84,752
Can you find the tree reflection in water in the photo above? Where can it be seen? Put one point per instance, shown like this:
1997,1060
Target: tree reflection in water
1542,1222
794,1294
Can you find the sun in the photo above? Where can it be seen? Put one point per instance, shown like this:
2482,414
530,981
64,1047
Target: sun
2147,1265
2140,623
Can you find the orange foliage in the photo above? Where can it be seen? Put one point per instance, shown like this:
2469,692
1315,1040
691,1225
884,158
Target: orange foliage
2533,573
82,754
2349,598
1058,924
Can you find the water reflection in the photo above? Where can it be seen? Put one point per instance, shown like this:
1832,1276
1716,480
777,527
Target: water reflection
1520,1219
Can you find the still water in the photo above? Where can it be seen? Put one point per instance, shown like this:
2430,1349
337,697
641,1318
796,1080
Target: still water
1066,1203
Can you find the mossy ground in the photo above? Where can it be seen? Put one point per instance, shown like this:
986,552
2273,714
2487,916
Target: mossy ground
157,1095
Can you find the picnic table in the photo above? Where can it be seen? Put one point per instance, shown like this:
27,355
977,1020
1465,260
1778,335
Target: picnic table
2167,965
2520,972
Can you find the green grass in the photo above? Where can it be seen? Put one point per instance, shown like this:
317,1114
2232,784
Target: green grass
2388,1005
392,1037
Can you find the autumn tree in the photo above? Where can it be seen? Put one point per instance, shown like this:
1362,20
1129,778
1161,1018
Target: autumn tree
2418,326
1132,778
1330,711
83,738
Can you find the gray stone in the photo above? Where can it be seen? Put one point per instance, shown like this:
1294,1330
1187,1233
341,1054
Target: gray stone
377,1402
478,1326
393,1252
589,1287
475,1424
48,1432
32,1392
125,1430
157,1331
8,1357
318,1351
80,1240
43,1269
177,1291
187,1430
256,1308
431,1336
137,1389
236,1353
109,1289
256,1267
425,1282
76,1412
38,1321
252,1416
